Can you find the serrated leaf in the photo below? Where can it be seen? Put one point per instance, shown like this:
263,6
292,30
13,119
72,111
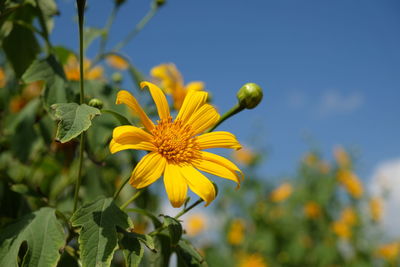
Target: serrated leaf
74,119
52,73
174,229
188,255
98,235
43,234
132,249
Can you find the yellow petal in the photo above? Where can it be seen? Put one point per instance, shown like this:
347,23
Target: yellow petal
205,117
127,98
116,147
198,183
193,101
218,140
196,86
175,185
216,169
169,76
130,137
148,170
159,98
223,162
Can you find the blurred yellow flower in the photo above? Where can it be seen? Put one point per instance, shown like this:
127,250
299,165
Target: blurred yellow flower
196,223
312,210
236,232
311,159
341,229
252,260
341,157
29,92
281,193
172,83
351,183
71,69
175,146
244,156
376,208
3,80
388,251
348,216
117,62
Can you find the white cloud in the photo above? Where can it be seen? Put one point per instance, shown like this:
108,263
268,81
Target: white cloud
334,102
385,183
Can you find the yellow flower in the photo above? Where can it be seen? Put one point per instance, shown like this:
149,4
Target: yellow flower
71,69
172,82
348,216
341,229
175,146
3,80
236,232
252,260
388,251
311,159
282,192
117,62
244,156
312,210
376,208
351,183
196,223
342,158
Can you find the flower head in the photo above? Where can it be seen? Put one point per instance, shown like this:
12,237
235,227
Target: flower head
376,208
282,192
3,79
236,232
172,82
71,69
351,183
245,156
312,210
175,146
389,251
195,224
252,260
117,62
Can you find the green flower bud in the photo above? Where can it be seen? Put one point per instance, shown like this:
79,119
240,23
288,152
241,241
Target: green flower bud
117,77
119,2
158,3
96,103
250,95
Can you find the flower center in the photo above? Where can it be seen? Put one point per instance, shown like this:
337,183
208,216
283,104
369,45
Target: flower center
174,141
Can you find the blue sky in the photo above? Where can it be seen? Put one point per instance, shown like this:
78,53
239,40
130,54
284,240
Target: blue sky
330,69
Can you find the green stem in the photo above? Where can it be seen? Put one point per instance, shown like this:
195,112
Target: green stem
81,9
135,196
137,29
236,109
79,180
120,188
188,208
42,23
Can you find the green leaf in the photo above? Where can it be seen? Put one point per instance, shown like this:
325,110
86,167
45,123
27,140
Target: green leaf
48,8
163,252
174,229
132,249
20,45
74,119
98,235
42,233
147,240
91,34
188,255
52,73
122,119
